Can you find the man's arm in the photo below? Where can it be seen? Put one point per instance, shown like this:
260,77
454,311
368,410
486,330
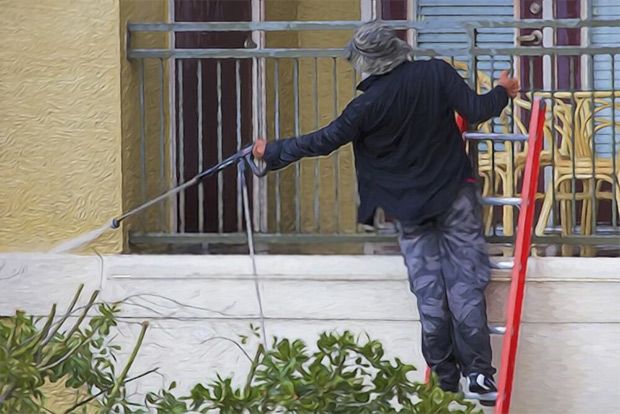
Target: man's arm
477,108
346,128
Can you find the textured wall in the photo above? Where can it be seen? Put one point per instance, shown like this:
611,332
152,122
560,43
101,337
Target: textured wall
568,351
60,136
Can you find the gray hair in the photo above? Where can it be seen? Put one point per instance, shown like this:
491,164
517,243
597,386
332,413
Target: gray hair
375,49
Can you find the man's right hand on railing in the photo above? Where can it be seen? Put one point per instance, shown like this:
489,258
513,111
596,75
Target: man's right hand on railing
259,148
510,84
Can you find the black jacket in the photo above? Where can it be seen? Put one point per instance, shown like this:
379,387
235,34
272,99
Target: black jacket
409,155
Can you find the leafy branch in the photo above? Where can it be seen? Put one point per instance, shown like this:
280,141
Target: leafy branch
81,357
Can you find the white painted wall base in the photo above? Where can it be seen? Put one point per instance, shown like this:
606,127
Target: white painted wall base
568,358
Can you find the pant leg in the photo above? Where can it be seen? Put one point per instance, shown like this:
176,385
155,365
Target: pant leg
466,270
420,249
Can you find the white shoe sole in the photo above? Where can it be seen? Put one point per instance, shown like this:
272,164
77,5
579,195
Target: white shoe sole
489,396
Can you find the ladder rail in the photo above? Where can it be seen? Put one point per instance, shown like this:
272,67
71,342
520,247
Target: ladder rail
514,307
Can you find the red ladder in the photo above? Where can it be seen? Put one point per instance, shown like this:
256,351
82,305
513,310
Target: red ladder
523,243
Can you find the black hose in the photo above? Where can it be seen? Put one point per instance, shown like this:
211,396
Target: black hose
244,154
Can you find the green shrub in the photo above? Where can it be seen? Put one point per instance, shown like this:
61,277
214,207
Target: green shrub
80,357
344,374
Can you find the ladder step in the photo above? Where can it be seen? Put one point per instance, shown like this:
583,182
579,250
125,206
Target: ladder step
497,330
481,136
501,201
502,265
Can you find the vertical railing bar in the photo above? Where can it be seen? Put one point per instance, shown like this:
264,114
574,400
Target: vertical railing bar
336,154
519,146
201,195
614,155
491,146
172,117
141,97
571,73
220,154
512,126
260,186
354,170
317,165
297,133
162,144
593,153
276,114
531,77
472,72
472,69
181,144
492,62
554,203
472,62
238,120
533,87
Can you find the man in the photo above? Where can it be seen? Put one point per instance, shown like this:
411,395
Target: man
411,161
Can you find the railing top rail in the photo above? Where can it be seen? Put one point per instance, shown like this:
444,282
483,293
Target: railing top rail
269,53
469,27
353,24
163,53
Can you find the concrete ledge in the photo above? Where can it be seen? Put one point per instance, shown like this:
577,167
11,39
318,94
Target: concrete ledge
296,266
299,287
567,355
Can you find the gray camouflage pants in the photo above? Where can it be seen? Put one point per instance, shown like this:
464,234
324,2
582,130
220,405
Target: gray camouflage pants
448,267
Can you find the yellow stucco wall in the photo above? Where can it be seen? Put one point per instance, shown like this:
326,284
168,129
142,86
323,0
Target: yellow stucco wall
70,131
157,217
60,121
70,124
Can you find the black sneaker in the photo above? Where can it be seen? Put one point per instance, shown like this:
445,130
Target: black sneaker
453,388
482,388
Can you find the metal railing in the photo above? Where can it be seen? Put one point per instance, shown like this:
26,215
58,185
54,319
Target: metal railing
237,94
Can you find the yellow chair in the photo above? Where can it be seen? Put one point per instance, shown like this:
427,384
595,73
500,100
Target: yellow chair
575,160
507,165
494,164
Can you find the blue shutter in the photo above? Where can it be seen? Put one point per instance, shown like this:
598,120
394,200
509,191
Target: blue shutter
468,11
605,37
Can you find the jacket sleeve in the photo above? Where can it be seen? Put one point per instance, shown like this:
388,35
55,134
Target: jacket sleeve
462,99
344,129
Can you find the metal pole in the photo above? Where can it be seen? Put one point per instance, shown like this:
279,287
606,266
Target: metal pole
614,153
239,172
201,190
593,150
141,93
554,204
276,114
162,142
220,177
571,77
181,149
297,133
336,154
317,164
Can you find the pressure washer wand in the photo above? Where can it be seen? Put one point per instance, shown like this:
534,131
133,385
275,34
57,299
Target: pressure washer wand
242,154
